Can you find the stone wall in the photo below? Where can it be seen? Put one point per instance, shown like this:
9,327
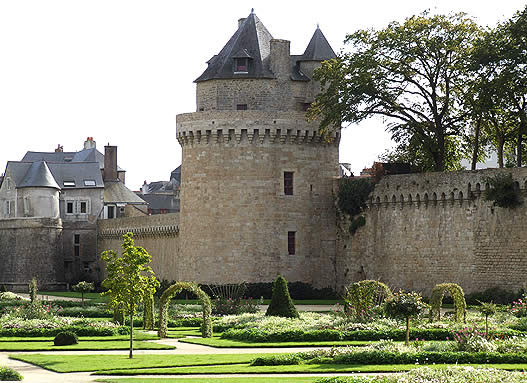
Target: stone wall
235,217
424,229
158,234
31,247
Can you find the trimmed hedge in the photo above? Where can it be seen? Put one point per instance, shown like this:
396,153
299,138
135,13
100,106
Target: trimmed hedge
79,330
65,338
388,357
257,335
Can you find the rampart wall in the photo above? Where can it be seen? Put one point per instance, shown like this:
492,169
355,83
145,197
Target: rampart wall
31,247
158,234
424,229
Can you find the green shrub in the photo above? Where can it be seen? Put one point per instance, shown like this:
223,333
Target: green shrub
361,299
493,294
8,374
33,290
502,191
281,303
65,338
353,194
277,360
521,325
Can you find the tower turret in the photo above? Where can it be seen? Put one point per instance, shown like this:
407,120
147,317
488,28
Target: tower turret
257,178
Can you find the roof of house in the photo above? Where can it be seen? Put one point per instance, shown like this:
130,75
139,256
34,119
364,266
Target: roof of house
117,192
252,40
84,155
77,175
162,201
318,48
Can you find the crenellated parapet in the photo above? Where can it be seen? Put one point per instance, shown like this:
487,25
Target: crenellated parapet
438,189
249,126
155,226
139,232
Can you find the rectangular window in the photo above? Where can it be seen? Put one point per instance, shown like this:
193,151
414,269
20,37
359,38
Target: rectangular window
84,207
291,245
89,183
288,183
69,184
77,245
7,208
69,207
111,212
241,107
241,65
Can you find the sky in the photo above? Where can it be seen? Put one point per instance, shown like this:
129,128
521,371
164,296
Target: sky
121,70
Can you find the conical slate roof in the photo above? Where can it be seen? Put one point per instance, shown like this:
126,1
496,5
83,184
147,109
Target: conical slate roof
318,48
253,41
39,175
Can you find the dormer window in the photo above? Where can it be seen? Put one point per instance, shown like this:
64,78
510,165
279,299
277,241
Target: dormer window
241,65
69,184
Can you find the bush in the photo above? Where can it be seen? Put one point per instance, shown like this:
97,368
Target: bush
277,360
6,295
33,290
494,294
281,303
502,191
8,374
225,306
65,338
519,307
362,297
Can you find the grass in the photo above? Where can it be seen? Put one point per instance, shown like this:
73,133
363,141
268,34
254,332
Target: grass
217,342
291,369
86,363
289,379
92,297
137,336
82,345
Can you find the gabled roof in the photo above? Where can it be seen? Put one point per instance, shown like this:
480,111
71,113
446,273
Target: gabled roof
318,48
117,192
162,201
84,155
38,175
251,40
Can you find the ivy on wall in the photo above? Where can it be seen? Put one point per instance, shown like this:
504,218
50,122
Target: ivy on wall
352,196
503,192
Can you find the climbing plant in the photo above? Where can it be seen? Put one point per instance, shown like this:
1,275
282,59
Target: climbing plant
148,311
502,191
352,196
362,297
206,327
436,300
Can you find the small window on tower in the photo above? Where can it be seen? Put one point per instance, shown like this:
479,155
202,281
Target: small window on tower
69,207
241,65
84,207
288,183
291,243
241,107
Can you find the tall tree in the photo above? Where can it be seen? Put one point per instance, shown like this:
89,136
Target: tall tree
413,74
129,279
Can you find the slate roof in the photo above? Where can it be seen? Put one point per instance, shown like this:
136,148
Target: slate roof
117,192
37,174
252,40
84,155
162,201
318,48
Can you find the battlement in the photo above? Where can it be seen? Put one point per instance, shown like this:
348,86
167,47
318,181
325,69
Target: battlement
159,225
438,188
257,127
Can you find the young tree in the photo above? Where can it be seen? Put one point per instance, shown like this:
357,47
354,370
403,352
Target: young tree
83,287
487,309
404,305
413,74
129,279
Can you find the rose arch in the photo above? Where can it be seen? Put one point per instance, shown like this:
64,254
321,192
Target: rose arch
457,294
206,327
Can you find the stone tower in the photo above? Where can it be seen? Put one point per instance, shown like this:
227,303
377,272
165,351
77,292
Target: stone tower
256,182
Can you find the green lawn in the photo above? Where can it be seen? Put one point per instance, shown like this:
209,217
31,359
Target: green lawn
216,341
299,369
93,297
289,379
85,363
82,345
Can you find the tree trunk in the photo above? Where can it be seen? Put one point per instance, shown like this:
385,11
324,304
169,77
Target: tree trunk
476,145
131,333
519,146
487,326
501,142
407,342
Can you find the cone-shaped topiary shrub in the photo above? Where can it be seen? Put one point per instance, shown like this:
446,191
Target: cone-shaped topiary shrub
281,303
65,338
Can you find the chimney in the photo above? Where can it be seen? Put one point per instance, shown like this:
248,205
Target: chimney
280,58
110,163
240,22
89,143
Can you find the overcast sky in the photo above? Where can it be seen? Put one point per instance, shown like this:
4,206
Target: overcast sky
121,70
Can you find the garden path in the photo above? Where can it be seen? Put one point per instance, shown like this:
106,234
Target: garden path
35,374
